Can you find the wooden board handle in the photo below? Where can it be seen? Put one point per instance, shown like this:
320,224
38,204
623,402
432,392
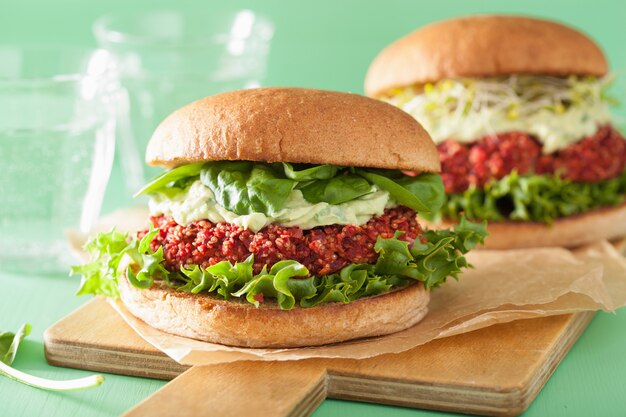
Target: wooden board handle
261,389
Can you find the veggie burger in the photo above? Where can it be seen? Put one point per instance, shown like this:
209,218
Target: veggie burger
519,111
287,218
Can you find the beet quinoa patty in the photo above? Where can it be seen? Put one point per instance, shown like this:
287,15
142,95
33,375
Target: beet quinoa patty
598,157
323,250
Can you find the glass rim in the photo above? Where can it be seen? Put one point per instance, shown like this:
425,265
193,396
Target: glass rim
103,30
70,76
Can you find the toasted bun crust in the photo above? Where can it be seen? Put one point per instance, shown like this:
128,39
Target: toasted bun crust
569,232
480,46
239,323
293,125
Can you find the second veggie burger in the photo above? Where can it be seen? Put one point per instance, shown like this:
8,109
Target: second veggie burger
519,111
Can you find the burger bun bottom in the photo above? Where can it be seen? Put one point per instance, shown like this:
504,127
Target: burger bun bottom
237,322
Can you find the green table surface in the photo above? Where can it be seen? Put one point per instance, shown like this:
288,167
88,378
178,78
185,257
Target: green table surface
323,44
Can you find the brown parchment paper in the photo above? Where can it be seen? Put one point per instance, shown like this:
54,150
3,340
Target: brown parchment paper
503,286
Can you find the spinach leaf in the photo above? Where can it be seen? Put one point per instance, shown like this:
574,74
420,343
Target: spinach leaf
308,172
336,190
183,173
423,193
9,342
246,187
427,187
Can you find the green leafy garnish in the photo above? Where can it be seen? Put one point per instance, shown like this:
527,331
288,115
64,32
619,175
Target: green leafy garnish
176,177
245,187
538,198
288,281
336,190
98,278
308,172
423,193
431,262
9,344
107,250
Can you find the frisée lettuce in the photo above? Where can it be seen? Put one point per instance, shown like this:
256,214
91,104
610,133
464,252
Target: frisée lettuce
531,197
114,255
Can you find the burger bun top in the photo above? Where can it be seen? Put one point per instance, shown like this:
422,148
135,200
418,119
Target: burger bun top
484,46
293,125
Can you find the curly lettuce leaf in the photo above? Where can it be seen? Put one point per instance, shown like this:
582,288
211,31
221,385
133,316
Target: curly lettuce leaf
432,262
287,281
537,198
354,281
100,275
146,263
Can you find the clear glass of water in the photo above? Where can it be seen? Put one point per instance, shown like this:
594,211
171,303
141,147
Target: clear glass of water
57,126
168,59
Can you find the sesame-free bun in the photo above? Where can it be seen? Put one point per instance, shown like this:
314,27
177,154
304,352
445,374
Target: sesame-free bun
239,323
293,125
572,231
483,46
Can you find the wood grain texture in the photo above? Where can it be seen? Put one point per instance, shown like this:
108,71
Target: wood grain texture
96,338
494,371
260,389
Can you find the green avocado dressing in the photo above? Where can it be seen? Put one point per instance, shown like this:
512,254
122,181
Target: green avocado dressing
197,203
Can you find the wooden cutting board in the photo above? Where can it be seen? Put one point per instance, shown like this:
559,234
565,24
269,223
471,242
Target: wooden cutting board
494,371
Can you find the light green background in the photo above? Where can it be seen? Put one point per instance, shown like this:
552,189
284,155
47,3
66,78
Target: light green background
325,44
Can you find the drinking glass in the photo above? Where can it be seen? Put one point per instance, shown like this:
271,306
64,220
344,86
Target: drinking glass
167,59
57,125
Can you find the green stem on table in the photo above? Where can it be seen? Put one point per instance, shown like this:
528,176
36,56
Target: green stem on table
48,384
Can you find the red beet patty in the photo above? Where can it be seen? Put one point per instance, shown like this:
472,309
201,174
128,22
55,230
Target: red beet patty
598,157
323,250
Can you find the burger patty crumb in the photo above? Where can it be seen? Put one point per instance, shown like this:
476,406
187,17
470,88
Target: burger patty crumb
323,250
598,157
